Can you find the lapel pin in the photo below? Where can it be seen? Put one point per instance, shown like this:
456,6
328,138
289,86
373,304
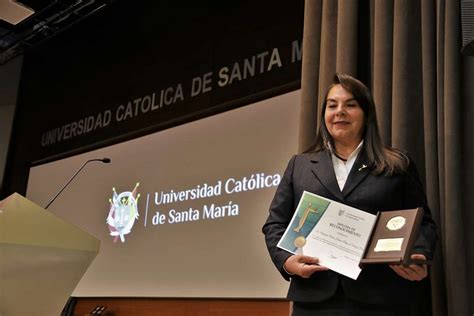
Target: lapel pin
363,167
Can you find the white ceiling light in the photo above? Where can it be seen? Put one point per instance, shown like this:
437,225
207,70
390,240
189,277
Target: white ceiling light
13,12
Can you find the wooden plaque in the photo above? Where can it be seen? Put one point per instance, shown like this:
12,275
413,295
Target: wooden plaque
393,237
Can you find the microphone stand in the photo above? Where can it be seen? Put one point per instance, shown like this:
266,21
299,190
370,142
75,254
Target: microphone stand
105,160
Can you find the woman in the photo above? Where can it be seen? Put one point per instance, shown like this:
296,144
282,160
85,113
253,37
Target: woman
349,164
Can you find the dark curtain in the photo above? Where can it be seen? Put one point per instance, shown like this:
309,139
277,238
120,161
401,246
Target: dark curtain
408,53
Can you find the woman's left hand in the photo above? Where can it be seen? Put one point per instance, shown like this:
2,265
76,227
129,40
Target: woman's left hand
413,272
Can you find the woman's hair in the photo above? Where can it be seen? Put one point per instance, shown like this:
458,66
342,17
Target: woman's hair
385,159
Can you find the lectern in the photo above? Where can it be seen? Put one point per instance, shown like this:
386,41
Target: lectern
42,258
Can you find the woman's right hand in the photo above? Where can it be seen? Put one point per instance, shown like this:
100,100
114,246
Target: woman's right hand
303,266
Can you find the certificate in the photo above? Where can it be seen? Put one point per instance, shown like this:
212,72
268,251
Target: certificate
335,233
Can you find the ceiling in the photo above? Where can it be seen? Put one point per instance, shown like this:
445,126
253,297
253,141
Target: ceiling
43,20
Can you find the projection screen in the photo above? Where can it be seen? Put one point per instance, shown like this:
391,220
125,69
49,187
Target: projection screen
192,226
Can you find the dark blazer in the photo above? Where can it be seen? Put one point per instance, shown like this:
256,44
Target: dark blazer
314,172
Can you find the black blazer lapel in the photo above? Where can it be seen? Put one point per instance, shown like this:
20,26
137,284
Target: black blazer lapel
360,170
324,171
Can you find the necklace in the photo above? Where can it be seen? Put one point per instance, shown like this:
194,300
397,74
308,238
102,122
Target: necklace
339,157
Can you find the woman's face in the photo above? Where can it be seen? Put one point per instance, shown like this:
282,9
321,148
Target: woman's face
344,117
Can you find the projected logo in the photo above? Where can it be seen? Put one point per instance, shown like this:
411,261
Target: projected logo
123,213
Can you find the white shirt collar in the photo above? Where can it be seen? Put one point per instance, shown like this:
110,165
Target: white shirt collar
342,168
352,155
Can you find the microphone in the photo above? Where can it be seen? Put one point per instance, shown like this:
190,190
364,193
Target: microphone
104,160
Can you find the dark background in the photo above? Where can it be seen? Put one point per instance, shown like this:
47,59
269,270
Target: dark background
131,49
